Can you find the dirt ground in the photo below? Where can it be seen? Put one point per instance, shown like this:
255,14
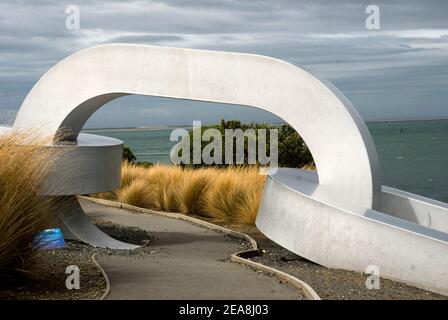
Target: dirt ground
45,279
331,284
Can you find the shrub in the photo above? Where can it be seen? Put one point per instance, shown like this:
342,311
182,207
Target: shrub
23,211
140,194
229,195
196,183
130,172
292,150
226,193
128,155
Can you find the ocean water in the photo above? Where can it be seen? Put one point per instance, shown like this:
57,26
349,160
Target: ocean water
413,154
147,145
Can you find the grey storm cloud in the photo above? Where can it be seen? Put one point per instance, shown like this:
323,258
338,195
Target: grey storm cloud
397,72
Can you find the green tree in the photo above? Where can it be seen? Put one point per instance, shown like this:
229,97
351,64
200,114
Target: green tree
293,152
128,155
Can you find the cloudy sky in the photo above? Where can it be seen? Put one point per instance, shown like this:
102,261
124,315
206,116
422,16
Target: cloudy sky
397,72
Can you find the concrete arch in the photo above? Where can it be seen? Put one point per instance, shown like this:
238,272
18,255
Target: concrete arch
342,218
68,94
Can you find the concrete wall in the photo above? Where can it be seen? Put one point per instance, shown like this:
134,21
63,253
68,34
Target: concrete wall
336,238
414,208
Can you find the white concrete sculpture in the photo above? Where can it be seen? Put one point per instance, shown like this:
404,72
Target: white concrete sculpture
340,217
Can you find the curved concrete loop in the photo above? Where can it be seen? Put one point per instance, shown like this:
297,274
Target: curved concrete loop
333,130
342,218
401,248
78,225
92,165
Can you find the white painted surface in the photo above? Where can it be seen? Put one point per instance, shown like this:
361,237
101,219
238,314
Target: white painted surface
92,165
68,94
414,208
329,235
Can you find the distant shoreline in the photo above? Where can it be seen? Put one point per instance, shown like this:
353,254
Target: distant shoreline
169,127
152,128
406,120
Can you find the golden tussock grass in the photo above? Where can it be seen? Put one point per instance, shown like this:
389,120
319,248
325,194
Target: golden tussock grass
230,195
194,188
140,194
235,195
23,170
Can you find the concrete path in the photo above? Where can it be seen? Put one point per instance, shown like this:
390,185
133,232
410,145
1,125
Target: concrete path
190,262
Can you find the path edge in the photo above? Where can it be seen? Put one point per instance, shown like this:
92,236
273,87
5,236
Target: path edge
105,276
241,257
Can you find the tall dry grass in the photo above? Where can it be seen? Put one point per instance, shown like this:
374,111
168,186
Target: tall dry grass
235,195
23,170
230,195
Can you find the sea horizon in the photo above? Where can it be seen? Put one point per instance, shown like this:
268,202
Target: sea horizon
171,126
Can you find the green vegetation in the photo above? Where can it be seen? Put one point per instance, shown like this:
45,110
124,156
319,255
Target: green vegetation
128,156
292,150
224,193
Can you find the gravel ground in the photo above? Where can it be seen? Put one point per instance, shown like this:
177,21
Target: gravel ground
331,284
46,278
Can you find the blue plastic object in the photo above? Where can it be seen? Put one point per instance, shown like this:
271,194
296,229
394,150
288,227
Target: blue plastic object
49,239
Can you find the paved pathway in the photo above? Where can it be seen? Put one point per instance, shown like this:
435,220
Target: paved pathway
190,262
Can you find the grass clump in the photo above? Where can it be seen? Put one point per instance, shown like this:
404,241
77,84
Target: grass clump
195,186
23,210
229,195
140,194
